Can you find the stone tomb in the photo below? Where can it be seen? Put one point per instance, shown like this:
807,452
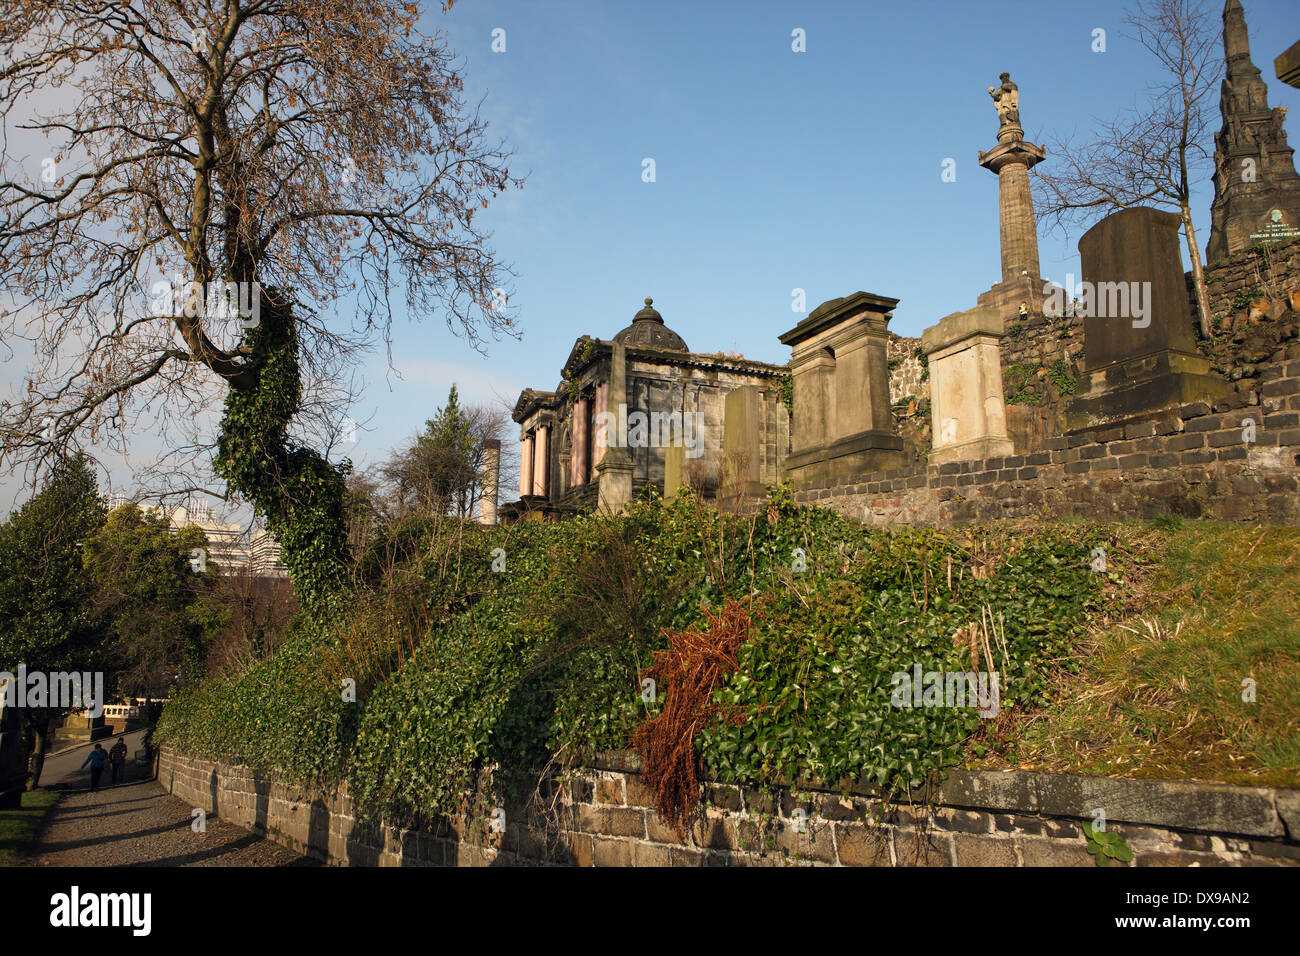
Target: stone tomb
839,361
1140,350
966,402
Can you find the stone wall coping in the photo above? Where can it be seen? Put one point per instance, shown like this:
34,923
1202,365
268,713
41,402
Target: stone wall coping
1176,804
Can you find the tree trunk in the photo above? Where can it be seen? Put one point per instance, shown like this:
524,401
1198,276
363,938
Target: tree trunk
39,750
1198,274
13,758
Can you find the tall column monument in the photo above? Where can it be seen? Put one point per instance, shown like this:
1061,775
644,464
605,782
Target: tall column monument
1011,160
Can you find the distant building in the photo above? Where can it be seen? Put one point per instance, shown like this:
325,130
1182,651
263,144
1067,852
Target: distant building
648,414
227,549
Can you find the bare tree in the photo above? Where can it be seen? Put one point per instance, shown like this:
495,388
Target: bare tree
1153,154
220,178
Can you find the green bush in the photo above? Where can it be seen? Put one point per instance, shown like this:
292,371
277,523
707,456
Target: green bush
459,668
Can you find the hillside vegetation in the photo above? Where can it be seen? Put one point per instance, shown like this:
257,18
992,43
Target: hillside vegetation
526,647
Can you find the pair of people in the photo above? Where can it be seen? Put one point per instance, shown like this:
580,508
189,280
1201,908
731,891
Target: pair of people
98,757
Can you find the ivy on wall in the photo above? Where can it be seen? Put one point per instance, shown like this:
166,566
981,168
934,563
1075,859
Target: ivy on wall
501,670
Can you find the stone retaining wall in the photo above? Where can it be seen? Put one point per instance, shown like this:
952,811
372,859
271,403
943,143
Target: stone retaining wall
1193,463
604,816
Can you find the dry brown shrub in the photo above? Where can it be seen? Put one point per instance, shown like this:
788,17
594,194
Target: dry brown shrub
695,663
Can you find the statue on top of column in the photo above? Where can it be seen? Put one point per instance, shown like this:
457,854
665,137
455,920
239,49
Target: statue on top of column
1007,100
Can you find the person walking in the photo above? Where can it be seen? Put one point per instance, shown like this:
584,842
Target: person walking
117,757
96,759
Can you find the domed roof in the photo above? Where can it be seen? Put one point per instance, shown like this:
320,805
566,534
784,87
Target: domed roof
648,329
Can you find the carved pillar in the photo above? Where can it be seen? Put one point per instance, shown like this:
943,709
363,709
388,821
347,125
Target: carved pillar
616,466
526,464
541,461
490,481
599,437
581,449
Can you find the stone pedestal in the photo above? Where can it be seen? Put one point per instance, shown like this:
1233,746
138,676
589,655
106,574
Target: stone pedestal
842,423
966,403
1140,352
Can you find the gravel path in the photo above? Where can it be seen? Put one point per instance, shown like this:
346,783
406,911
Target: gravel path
138,823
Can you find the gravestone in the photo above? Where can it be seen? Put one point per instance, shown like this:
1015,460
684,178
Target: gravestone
966,404
839,361
742,433
1139,346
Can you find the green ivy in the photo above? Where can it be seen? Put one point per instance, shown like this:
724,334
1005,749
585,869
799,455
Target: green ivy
541,663
301,496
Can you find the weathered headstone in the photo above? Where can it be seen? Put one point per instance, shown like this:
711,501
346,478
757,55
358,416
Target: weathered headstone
674,469
741,444
1139,346
966,404
842,423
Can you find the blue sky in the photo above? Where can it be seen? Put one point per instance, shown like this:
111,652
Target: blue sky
775,170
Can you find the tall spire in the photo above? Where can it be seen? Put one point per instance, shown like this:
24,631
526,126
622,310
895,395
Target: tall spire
1256,189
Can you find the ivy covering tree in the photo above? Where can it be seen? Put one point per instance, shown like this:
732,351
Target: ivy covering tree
183,230
46,618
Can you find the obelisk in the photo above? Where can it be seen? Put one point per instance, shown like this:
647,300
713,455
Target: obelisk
615,489
1256,188
1011,160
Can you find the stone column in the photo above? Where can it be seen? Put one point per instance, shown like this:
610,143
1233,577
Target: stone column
541,461
581,450
490,481
1011,161
599,437
526,464
616,465
966,404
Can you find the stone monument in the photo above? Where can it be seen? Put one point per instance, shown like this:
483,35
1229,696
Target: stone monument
966,403
1011,161
1140,350
1256,189
742,432
615,467
490,481
842,423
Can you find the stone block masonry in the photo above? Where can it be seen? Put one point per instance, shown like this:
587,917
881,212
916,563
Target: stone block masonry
1235,460
604,816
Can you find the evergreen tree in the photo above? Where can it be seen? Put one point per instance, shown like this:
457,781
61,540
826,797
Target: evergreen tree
46,618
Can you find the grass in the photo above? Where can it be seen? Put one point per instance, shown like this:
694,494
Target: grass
1160,693
18,828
